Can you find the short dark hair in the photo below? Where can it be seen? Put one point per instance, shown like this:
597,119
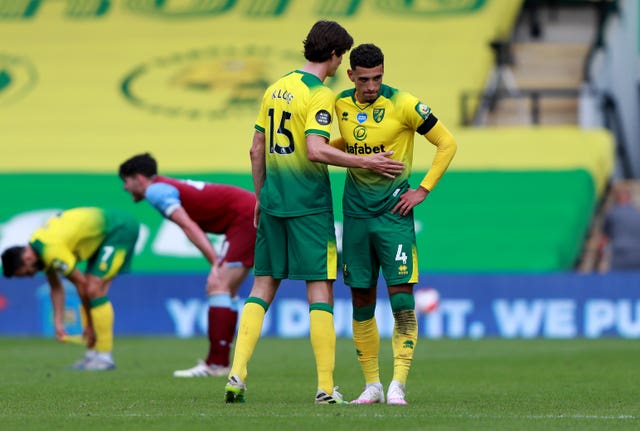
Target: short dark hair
12,260
366,55
143,164
324,38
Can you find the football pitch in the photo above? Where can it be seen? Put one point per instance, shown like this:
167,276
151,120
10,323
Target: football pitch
454,385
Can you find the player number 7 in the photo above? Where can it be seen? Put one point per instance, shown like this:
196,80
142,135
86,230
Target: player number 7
107,251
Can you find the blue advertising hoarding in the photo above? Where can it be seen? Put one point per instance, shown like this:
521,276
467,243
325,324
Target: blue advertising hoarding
471,306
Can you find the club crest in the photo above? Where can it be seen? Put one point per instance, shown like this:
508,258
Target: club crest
378,114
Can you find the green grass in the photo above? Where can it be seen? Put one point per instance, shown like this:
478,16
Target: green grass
454,385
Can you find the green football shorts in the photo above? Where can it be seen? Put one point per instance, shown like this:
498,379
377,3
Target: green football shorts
386,242
116,251
298,248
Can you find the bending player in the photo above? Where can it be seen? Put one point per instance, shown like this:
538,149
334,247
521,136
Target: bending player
199,207
106,240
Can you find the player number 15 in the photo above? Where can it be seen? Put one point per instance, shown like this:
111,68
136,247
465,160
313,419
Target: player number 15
274,147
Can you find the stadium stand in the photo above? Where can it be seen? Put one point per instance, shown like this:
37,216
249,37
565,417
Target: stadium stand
522,222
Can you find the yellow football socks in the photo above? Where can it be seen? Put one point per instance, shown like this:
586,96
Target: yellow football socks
367,342
102,315
249,331
403,341
323,343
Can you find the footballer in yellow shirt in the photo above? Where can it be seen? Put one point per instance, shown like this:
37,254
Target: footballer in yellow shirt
379,229
294,218
106,240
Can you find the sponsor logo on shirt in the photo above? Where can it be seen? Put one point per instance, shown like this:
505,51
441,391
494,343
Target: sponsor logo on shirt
360,133
361,117
359,148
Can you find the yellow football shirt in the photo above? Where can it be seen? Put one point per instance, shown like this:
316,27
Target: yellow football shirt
296,105
71,236
387,124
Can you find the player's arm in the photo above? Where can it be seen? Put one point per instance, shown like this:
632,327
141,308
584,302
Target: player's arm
381,163
257,154
200,239
258,168
438,135
166,199
338,143
317,131
446,147
195,234
57,302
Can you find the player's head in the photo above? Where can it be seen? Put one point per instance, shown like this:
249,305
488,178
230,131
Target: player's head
367,56
143,164
137,173
326,39
20,261
367,70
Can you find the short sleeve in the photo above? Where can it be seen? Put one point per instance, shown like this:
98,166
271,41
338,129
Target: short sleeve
319,115
414,112
163,197
261,122
59,258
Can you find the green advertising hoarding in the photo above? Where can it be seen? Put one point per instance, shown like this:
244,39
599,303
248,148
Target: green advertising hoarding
473,221
162,247
31,198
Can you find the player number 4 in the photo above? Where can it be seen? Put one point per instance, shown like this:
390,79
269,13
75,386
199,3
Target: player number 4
401,255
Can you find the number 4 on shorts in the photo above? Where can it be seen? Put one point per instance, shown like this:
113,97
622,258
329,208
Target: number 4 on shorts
401,255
